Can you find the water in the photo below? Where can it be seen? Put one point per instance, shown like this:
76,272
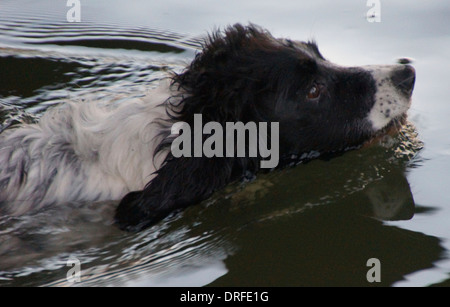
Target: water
315,224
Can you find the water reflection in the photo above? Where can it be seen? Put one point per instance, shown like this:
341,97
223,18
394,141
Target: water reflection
391,198
331,214
316,224
327,247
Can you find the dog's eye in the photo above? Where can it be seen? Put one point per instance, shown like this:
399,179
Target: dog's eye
314,92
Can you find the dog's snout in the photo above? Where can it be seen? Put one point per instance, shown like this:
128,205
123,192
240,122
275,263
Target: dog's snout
404,78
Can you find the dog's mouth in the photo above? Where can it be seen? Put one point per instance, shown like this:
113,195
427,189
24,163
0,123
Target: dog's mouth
392,129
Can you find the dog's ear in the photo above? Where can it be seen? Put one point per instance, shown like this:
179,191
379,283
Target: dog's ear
179,183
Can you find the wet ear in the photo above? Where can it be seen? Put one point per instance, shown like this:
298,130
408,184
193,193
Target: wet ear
181,182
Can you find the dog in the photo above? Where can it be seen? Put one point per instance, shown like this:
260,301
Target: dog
86,152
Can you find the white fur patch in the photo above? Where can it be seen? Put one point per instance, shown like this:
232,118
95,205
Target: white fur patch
82,152
389,102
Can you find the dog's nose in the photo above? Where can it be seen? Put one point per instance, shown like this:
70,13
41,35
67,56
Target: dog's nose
404,78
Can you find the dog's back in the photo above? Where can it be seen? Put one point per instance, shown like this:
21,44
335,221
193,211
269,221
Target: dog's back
77,151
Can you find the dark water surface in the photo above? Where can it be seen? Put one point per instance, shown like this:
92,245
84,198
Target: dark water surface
315,224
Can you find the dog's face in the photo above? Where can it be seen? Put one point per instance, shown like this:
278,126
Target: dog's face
248,75
323,107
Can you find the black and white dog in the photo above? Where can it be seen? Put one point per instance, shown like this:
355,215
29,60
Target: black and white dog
89,152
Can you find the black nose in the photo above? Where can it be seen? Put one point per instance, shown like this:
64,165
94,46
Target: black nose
404,78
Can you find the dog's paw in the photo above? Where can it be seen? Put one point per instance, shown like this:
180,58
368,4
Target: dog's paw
135,213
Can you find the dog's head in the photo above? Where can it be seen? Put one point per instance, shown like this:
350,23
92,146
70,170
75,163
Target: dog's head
247,75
